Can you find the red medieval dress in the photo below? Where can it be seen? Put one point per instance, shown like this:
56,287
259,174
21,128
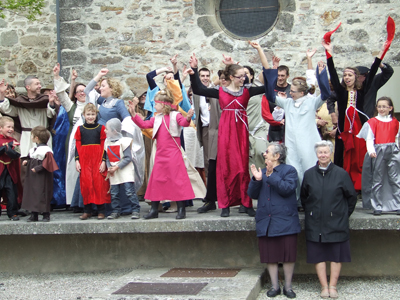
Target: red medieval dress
233,142
90,153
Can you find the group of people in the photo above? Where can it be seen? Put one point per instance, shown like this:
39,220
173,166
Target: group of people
108,151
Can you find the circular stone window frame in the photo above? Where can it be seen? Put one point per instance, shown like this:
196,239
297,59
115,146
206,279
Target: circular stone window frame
232,35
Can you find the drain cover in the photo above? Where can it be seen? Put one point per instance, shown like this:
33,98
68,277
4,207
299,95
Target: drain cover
148,288
186,272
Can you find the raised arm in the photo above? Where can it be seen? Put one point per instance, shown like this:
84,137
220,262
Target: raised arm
74,75
150,76
261,53
197,87
331,67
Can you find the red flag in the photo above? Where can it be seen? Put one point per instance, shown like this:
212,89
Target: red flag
390,28
327,36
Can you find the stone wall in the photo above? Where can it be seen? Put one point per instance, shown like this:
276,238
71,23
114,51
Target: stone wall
134,37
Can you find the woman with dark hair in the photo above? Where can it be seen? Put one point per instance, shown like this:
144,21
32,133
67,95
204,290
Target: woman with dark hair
329,198
233,136
350,150
277,219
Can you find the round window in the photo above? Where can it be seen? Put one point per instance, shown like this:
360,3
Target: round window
247,19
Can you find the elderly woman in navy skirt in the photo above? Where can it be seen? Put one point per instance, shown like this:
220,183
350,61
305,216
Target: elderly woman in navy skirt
328,198
277,219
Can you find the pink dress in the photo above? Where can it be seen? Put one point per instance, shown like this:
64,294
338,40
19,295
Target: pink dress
233,150
169,179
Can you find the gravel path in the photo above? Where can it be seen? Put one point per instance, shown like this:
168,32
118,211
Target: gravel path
74,286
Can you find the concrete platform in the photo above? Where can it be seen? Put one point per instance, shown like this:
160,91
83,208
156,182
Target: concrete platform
67,244
246,285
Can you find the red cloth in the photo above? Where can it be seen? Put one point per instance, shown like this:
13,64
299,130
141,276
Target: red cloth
384,132
13,167
233,151
390,28
327,39
354,147
266,112
94,187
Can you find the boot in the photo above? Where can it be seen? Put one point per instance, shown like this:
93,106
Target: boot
153,213
46,217
33,217
181,210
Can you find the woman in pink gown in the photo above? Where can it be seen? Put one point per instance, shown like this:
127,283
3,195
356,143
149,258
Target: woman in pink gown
169,178
233,137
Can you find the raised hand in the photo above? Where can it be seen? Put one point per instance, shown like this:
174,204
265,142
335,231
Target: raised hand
190,114
255,45
74,75
132,106
102,72
173,60
328,46
3,87
321,66
193,61
256,173
52,98
310,53
275,62
227,60
56,71
282,95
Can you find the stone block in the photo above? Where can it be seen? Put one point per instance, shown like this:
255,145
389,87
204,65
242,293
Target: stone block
3,24
288,5
269,40
133,17
2,70
132,50
12,68
144,34
352,21
170,34
99,42
111,8
329,16
75,3
200,6
71,43
378,1
28,67
5,54
125,36
73,58
32,30
285,22
111,29
94,26
69,14
107,60
183,34
137,83
188,12
222,44
9,38
359,35
183,47
45,55
208,28
73,29
35,40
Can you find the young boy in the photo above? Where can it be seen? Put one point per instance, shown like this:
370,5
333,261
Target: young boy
120,169
38,185
9,166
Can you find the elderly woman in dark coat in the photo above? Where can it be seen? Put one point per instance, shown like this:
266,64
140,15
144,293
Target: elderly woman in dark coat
329,198
277,219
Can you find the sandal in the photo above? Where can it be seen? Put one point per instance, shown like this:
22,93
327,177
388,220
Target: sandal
333,291
324,292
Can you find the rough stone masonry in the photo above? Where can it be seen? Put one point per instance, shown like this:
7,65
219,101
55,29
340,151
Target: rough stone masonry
134,37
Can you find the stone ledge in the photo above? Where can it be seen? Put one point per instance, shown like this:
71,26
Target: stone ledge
67,223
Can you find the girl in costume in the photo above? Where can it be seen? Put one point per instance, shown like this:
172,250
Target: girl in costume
90,163
169,178
350,150
380,180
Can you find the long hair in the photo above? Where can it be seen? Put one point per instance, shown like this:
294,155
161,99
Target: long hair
357,85
389,101
165,96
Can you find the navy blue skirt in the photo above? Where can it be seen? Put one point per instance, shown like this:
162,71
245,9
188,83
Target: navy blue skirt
278,249
334,252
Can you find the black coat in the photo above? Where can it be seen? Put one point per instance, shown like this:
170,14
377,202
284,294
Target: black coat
328,198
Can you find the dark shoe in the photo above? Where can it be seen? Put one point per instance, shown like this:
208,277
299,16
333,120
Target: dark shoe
46,217
273,293
250,211
77,210
113,216
14,218
377,212
33,217
289,293
153,213
242,209
85,216
181,210
207,207
225,212
101,216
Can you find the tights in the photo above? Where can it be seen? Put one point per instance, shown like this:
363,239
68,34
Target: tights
288,269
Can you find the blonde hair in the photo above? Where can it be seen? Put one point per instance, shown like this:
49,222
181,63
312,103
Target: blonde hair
4,120
165,96
301,84
115,86
90,107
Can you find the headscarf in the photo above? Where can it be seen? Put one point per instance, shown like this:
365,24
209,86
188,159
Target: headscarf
113,129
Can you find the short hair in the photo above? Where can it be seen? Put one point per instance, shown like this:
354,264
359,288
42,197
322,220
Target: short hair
323,143
281,149
28,80
115,85
73,97
41,133
4,120
284,68
205,70
90,107
251,71
302,86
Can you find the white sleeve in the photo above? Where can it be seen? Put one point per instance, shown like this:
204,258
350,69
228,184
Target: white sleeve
51,112
60,86
310,77
370,146
8,109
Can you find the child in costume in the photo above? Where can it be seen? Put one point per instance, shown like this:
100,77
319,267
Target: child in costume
121,171
38,184
169,179
90,161
380,180
9,166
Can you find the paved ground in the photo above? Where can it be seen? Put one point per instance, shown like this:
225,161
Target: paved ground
88,285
